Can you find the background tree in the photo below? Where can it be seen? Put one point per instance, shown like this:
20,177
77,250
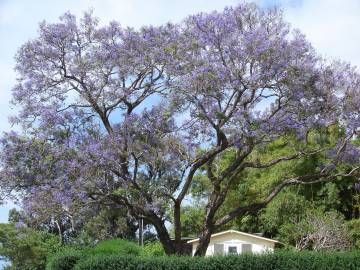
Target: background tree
321,232
130,118
107,224
86,226
26,248
291,205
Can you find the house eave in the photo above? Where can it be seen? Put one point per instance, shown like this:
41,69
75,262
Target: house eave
235,232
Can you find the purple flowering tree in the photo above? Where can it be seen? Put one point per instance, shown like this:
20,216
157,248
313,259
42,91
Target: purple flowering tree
128,117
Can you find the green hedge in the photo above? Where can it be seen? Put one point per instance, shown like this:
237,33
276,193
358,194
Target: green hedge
277,261
65,260
115,246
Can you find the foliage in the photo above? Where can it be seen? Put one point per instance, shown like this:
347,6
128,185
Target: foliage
319,231
26,248
152,249
70,255
192,219
354,230
65,260
115,246
105,224
279,261
85,227
14,216
287,208
278,219
117,117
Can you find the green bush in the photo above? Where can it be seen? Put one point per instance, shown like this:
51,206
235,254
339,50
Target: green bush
65,260
354,230
152,249
276,261
115,246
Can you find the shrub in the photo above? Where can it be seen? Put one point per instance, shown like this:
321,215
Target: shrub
152,249
354,230
115,246
65,260
69,256
278,261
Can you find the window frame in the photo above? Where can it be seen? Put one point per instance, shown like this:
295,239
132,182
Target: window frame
232,247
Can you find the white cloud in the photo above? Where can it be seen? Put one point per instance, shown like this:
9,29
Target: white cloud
332,26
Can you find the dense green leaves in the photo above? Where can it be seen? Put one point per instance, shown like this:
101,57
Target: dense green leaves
65,260
70,256
278,261
152,249
354,228
25,248
116,246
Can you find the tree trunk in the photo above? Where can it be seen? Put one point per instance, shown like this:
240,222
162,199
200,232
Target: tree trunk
215,201
59,232
203,242
164,237
177,227
141,233
208,229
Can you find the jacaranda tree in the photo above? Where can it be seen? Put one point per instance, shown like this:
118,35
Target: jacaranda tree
113,115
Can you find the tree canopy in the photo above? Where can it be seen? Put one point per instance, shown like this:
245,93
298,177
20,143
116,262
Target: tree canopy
131,117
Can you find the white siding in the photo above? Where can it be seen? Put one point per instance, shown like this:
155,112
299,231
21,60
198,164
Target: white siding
210,250
234,239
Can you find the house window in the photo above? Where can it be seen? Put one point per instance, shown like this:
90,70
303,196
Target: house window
232,250
246,248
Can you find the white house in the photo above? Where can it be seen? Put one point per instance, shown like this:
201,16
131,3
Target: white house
235,242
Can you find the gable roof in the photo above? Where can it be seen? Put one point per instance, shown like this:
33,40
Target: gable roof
238,233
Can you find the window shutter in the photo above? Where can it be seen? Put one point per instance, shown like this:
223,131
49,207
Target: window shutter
218,249
246,248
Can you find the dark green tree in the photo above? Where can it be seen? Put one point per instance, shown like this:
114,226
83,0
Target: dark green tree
26,248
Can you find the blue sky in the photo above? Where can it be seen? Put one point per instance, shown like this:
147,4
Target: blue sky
331,25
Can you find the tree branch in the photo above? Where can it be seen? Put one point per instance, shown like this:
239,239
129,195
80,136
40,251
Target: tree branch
300,180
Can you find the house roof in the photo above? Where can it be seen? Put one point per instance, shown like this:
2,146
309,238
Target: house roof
183,238
236,232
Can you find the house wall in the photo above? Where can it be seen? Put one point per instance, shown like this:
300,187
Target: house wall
233,239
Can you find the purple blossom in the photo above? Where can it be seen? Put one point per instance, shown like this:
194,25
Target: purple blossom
112,112
20,225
